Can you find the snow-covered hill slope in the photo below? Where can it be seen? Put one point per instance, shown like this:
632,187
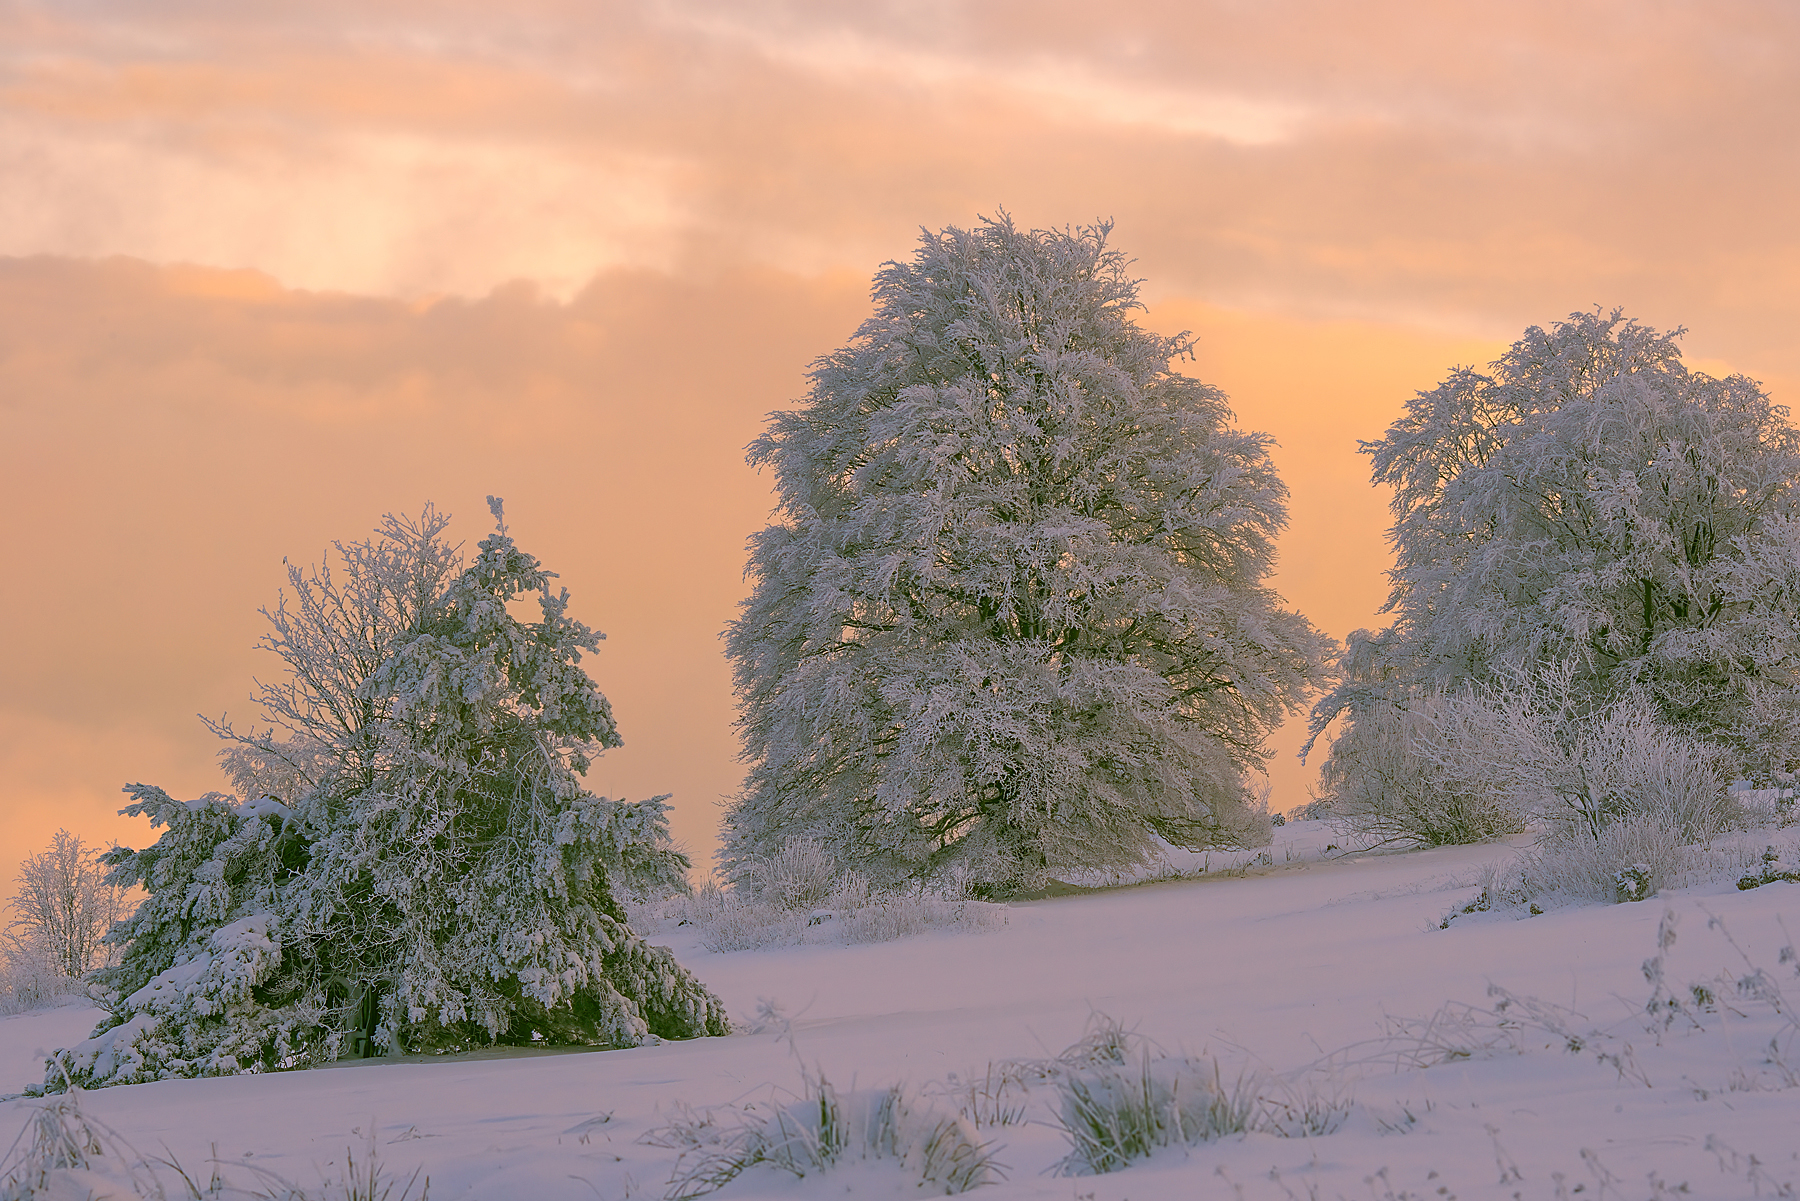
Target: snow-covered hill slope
1271,971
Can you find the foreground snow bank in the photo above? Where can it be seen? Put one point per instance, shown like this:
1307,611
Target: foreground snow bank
1330,976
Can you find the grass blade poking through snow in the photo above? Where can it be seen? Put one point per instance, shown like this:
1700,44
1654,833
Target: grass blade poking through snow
65,1152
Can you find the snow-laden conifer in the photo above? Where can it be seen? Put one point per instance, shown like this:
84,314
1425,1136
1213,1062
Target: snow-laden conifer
412,862
1011,614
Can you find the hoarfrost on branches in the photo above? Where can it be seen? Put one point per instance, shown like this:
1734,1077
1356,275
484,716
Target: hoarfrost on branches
412,862
1011,615
62,910
1589,517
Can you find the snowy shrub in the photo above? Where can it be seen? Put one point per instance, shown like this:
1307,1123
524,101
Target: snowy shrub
30,979
1736,856
1629,860
798,877
1681,783
412,861
1623,762
1392,778
902,915
1771,868
1318,809
845,910
1623,796
939,1152
1773,805
744,925
1012,609
1448,766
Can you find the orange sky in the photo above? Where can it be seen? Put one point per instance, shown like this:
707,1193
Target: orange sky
269,271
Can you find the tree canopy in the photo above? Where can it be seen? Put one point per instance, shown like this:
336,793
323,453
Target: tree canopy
1589,501
1011,614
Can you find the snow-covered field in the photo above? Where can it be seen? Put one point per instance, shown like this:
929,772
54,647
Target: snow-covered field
1275,969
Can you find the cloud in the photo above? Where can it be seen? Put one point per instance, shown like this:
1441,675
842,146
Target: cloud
1061,87
369,210
1475,168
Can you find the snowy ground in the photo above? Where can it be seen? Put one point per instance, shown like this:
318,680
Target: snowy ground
1277,967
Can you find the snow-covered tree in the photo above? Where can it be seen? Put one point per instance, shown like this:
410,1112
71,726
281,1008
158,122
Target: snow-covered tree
411,862
1591,506
64,906
1011,614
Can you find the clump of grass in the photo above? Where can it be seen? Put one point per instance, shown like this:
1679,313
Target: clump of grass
364,1180
64,1151
1118,1098
821,1129
1116,1113
999,1096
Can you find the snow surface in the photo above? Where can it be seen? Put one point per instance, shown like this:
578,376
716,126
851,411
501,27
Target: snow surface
1277,967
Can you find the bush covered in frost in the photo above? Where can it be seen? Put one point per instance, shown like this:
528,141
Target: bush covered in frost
802,896
1628,860
30,978
1384,786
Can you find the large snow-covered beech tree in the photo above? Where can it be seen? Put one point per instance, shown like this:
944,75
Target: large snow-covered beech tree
1011,615
1591,503
411,862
